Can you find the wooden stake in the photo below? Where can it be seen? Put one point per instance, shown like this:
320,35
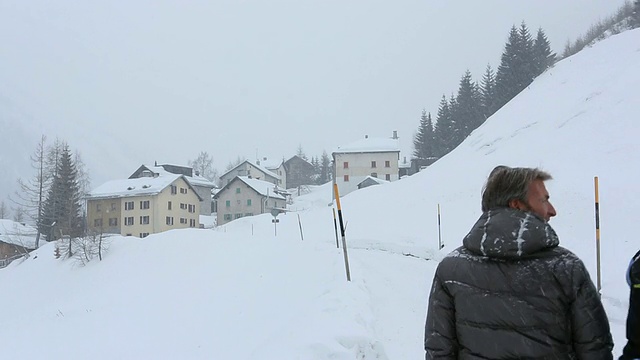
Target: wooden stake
344,241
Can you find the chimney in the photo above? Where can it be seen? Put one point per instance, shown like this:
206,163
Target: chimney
395,134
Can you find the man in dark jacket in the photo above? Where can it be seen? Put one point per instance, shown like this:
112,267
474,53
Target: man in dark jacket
510,292
632,349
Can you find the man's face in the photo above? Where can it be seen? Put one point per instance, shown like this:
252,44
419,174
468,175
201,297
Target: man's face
538,200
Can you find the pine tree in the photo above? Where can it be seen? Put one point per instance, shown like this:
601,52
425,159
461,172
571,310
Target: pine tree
488,92
300,152
516,70
526,62
543,57
315,162
506,76
63,203
325,168
423,141
635,16
467,112
444,129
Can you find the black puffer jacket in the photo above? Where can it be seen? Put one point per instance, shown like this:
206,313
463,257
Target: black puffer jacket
510,292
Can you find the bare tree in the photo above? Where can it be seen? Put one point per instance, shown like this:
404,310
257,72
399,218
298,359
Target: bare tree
30,198
88,247
18,215
203,166
235,163
4,211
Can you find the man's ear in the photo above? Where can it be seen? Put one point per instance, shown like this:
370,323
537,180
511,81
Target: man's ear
515,204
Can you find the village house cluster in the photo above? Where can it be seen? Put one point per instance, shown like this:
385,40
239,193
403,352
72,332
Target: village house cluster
161,197
165,196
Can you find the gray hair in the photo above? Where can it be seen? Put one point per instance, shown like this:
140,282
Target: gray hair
506,183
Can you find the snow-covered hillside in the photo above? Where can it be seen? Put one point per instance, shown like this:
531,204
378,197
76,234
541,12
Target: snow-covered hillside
242,292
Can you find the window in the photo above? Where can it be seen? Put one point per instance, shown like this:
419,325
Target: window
97,222
228,203
113,206
183,191
237,190
174,189
144,235
238,202
128,220
373,164
192,222
227,217
192,208
345,165
387,163
248,214
346,178
183,220
128,205
144,220
375,175
144,204
169,205
113,221
183,206
387,177
248,202
238,216
169,220
98,207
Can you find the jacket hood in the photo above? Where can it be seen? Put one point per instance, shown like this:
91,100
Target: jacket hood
510,234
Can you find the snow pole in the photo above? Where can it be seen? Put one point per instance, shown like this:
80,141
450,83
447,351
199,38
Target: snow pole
335,227
598,277
440,244
300,225
344,241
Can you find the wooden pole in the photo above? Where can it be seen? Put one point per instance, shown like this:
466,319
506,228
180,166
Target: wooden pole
598,277
335,227
300,224
344,241
440,244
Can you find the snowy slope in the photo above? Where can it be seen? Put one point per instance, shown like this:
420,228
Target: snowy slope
242,292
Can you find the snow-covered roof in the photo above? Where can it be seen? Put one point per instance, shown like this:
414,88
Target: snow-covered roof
194,180
373,179
261,168
133,187
370,145
270,163
15,233
263,188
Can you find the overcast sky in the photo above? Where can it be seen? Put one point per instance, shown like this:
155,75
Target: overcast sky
164,80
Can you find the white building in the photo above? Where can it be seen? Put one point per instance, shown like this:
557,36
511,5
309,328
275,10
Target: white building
244,196
375,157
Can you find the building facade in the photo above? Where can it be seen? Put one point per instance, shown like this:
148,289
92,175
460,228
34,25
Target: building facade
244,196
298,172
143,206
201,185
251,170
375,157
